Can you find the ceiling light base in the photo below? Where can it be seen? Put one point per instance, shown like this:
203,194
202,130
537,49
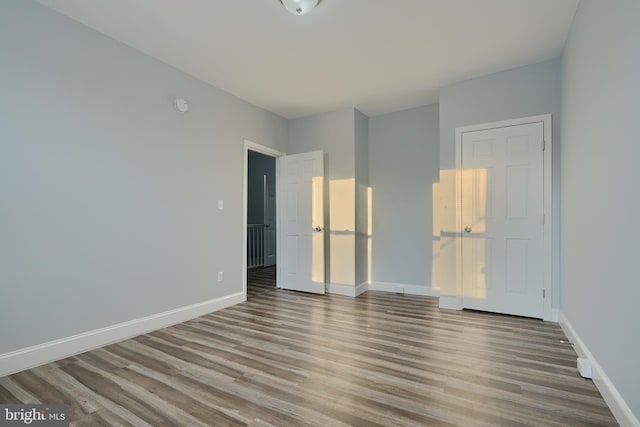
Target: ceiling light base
300,7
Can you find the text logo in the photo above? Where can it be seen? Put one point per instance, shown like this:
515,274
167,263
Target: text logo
34,415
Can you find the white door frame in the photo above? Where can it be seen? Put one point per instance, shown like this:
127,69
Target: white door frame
252,146
548,211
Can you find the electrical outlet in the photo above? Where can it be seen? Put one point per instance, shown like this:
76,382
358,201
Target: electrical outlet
220,276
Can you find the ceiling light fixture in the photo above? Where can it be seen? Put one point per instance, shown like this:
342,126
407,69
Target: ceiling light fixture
299,7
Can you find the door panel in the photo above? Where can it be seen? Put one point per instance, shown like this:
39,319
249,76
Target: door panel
270,222
502,213
517,256
302,225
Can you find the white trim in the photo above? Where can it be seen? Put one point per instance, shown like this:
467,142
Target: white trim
246,146
555,315
548,214
340,289
362,288
40,354
346,290
450,302
545,119
354,291
403,289
609,392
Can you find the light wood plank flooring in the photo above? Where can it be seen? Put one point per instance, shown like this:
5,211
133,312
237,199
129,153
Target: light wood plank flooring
260,280
294,359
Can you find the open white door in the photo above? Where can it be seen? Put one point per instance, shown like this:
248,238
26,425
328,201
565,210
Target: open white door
502,217
270,223
301,231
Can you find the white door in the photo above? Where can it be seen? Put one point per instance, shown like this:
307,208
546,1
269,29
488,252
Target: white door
270,228
301,260
502,216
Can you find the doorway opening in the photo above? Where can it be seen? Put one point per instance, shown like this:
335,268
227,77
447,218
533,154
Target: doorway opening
260,219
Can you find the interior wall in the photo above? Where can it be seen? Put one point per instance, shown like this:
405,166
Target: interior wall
600,197
331,132
108,196
403,166
521,92
334,134
361,158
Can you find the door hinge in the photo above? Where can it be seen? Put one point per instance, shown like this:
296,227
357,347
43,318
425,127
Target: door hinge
544,145
544,218
544,294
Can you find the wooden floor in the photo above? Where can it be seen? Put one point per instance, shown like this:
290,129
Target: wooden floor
293,359
260,280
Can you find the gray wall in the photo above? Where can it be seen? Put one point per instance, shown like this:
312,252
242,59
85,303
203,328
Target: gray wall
361,141
403,165
600,196
107,195
334,134
521,92
526,91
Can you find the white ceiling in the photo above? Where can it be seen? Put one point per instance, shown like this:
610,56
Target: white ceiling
376,55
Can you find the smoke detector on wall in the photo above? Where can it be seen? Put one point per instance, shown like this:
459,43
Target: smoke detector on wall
181,105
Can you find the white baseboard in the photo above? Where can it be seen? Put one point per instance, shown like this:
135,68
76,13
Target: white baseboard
346,290
354,291
401,288
362,288
609,392
450,302
555,315
40,354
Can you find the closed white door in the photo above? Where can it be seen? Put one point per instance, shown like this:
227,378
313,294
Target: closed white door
301,231
502,205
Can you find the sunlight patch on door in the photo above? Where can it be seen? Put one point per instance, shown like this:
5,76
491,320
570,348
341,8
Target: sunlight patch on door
477,247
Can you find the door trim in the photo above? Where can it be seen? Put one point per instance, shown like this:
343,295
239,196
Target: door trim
545,119
247,146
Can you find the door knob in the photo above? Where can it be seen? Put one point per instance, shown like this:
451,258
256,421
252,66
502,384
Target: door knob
467,229
318,229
